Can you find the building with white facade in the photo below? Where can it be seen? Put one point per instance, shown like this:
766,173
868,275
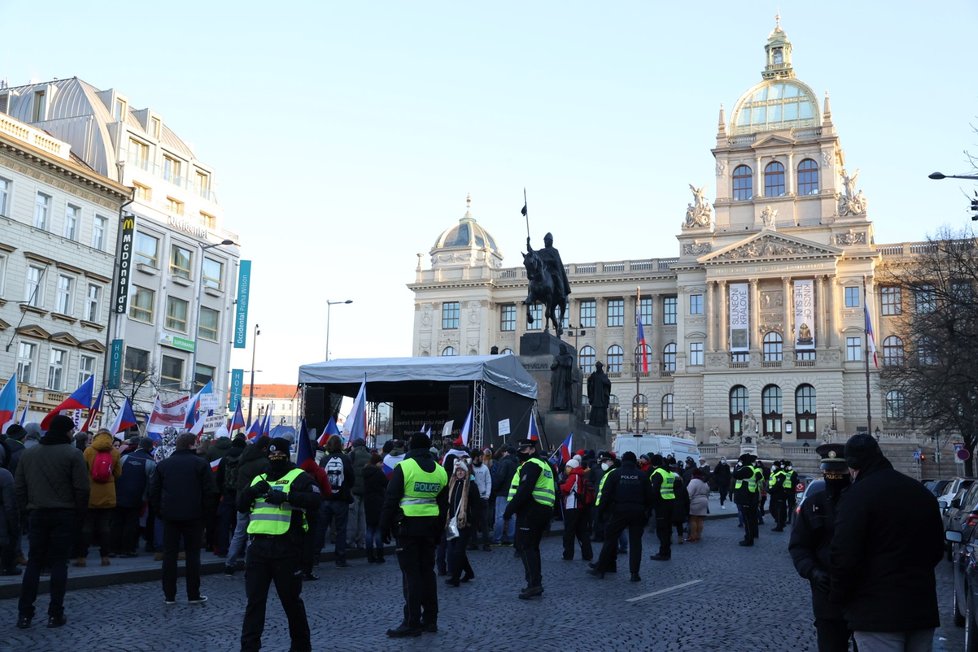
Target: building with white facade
57,253
175,332
756,325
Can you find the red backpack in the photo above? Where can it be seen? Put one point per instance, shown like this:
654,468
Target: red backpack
102,467
586,488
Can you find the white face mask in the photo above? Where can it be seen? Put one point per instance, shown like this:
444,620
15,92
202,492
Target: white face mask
605,466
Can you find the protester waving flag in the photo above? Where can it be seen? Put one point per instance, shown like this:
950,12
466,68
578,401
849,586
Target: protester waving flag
8,401
303,447
565,448
166,415
124,420
328,431
80,399
95,410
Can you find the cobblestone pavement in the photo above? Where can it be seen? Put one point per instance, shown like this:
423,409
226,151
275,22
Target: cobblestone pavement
697,601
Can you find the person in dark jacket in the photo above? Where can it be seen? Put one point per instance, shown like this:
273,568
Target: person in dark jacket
417,523
9,525
721,475
888,539
14,445
181,487
532,495
746,495
465,505
252,461
226,508
809,547
52,488
374,488
627,496
131,493
336,508
502,476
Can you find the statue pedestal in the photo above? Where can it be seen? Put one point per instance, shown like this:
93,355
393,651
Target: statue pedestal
546,343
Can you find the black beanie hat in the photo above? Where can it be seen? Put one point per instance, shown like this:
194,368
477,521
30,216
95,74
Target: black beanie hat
628,456
61,425
419,440
861,451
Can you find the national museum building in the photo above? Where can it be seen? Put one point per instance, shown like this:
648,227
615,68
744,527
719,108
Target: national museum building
758,324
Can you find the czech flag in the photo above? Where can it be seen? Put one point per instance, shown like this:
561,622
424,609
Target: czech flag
8,401
216,464
328,431
254,430
390,461
642,346
23,415
124,420
565,449
237,421
869,335
95,410
194,406
303,447
198,427
266,424
466,429
533,433
355,426
80,399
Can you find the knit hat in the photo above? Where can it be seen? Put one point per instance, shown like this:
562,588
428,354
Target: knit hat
460,464
61,425
656,460
628,456
16,431
419,440
861,451
572,464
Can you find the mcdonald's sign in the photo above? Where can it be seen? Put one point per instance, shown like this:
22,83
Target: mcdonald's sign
121,297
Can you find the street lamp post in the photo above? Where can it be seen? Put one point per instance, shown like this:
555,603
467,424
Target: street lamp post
200,292
329,306
687,417
834,427
941,175
251,391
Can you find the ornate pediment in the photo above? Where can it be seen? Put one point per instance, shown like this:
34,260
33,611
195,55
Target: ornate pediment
33,330
769,246
65,338
92,345
4,325
773,139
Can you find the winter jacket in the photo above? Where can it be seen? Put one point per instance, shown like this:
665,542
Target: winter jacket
339,470
229,463
888,539
483,480
182,485
359,459
52,475
626,491
721,474
474,504
132,487
374,488
218,449
9,520
811,537
572,488
392,518
503,472
102,494
699,497
680,506
251,462
14,450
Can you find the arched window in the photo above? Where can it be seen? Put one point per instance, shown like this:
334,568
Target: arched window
774,179
669,357
893,351
805,412
808,177
640,409
743,183
771,411
738,408
895,408
667,403
449,350
616,357
506,351
614,408
586,360
773,347
639,350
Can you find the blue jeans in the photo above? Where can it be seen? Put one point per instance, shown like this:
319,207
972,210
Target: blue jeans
335,511
239,541
498,536
373,539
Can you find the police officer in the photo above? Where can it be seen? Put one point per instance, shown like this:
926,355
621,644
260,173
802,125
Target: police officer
414,512
627,496
531,500
277,501
809,547
664,498
792,489
746,490
779,494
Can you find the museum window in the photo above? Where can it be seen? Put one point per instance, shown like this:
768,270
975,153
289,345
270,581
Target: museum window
507,351
667,408
448,351
805,411
774,179
696,354
669,311
808,177
136,364
852,297
854,349
696,304
771,411
890,301
738,408
614,409
616,312
925,299
176,314
586,360
536,311
669,358
895,407
926,352
893,351
616,358
171,372
743,183
507,318
640,409
773,347
141,304
450,313
645,310
589,313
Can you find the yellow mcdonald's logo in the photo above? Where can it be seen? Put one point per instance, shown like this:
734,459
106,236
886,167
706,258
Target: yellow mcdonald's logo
128,223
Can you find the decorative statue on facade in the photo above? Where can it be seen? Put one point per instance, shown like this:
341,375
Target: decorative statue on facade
749,425
699,213
769,216
853,202
561,380
599,395
548,283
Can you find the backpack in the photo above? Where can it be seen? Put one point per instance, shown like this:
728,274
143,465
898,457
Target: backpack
335,473
231,474
587,492
102,467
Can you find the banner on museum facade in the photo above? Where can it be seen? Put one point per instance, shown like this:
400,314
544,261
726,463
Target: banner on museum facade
804,314
739,317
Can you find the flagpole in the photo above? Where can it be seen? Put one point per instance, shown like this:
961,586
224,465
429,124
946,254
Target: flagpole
638,307
869,411
526,214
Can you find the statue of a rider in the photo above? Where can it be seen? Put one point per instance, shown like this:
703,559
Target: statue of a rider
551,259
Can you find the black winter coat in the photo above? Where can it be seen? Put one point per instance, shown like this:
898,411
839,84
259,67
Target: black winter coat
391,517
183,483
374,488
811,536
888,539
502,476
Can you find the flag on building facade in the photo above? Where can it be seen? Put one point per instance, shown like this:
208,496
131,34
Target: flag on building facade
80,399
870,336
642,346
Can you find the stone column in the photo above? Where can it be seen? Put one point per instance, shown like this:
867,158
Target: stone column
787,300
758,178
791,183
822,337
755,305
708,313
724,315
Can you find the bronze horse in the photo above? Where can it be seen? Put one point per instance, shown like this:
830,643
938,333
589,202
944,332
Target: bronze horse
542,289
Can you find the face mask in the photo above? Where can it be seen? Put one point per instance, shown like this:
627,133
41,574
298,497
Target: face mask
523,456
605,466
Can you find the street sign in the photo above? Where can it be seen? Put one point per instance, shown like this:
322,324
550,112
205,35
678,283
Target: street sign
963,454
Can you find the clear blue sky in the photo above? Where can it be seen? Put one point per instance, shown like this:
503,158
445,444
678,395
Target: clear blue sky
345,135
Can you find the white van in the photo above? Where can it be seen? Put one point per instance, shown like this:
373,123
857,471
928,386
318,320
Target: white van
664,445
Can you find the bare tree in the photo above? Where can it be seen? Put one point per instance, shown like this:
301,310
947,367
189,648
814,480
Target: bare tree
933,379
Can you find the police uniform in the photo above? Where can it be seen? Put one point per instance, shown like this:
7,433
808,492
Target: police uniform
746,490
793,492
277,501
811,535
531,499
627,496
664,497
778,491
414,511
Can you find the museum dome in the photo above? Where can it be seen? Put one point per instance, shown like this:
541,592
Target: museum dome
456,243
780,101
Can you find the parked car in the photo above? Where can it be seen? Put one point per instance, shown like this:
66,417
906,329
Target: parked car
813,486
936,487
964,602
950,491
962,513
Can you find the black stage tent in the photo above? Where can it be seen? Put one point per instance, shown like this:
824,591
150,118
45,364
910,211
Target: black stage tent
428,390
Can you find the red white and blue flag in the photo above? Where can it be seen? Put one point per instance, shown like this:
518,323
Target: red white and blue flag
466,429
95,410
533,433
303,448
565,448
80,399
355,426
266,424
8,401
642,346
328,431
870,337
390,461
166,415
194,406
124,420
237,421
254,430
23,415
215,464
